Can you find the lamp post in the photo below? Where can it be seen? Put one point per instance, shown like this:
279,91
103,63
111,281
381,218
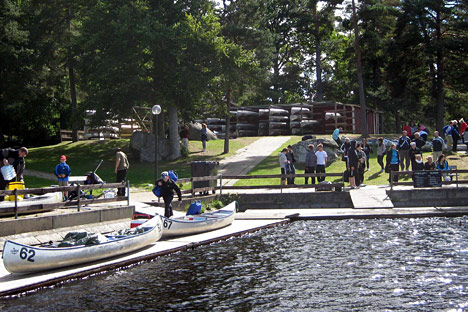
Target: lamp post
155,110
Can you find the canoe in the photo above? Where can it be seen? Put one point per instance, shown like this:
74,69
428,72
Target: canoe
208,221
19,258
187,225
32,204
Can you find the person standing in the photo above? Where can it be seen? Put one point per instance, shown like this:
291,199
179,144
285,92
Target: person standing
167,192
352,164
463,126
336,136
413,151
322,157
291,161
407,128
447,133
381,150
344,148
393,160
283,161
16,159
121,169
455,136
437,145
361,165
403,147
184,135
418,140
204,136
62,171
310,163
367,150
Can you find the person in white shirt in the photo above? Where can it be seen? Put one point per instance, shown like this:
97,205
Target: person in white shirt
322,157
284,164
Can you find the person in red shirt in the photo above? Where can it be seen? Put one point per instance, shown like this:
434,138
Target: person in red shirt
463,126
407,128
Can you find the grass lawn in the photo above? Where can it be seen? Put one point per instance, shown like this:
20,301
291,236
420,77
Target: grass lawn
270,165
84,156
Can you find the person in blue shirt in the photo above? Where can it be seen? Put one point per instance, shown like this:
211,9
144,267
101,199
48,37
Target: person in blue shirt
62,171
393,161
442,164
447,134
336,136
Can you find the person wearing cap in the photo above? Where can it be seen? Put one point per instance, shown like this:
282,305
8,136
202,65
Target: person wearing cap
121,169
62,171
413,151
167,192
16,159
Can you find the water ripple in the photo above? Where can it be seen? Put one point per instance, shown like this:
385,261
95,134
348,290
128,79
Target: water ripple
349,265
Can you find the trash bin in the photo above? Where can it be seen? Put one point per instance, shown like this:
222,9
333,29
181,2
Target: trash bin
203,169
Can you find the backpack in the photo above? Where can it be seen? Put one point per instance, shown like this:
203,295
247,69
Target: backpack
157,190
173,175
194,208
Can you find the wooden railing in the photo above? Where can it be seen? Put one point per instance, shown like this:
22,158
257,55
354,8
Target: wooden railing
218,184
79,201
453,173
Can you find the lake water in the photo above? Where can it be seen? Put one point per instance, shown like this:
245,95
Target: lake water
349,265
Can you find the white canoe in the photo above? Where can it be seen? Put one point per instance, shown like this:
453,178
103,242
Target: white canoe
34,202
19,258
209,221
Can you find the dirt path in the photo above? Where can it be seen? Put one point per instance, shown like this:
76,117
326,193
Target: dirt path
248,157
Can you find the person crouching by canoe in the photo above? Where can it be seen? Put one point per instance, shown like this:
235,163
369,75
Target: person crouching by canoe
167,192
62,171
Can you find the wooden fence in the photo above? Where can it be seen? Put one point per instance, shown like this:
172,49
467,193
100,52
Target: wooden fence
79,201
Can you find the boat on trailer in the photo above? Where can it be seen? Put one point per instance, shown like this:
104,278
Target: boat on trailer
193,224
19,258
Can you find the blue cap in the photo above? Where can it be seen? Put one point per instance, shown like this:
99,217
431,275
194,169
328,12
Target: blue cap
164,174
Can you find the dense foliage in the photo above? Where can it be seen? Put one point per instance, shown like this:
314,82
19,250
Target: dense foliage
59,58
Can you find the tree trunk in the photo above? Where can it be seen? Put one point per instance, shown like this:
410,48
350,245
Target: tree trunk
174,144
362,99
318,56
71,77
440,77
228,121
397,121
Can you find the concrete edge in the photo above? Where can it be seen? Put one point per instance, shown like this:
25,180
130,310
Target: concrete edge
134,261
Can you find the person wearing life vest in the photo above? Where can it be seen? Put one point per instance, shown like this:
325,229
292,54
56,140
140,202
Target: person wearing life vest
15,158
167,192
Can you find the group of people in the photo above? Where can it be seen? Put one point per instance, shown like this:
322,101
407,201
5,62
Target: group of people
316,161
454,131
15,158
62,171
185,133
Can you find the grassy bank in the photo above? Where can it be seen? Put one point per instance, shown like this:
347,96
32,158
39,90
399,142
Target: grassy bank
84,156
373,176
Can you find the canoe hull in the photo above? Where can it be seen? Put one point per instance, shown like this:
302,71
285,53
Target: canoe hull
34,204
19,258
200,223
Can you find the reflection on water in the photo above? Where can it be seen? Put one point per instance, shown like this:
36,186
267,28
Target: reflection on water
349,265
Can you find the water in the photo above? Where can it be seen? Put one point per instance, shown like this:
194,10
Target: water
349,265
